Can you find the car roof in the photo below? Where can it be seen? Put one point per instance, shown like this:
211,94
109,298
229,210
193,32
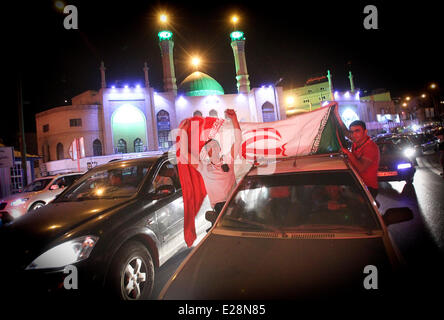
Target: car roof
118,163
59,175
302,164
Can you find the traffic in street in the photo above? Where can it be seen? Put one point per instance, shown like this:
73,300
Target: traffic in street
420,240
187,155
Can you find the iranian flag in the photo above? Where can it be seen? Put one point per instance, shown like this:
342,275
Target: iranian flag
317,132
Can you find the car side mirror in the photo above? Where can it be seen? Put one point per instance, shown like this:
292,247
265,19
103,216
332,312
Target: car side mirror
211,216
397,215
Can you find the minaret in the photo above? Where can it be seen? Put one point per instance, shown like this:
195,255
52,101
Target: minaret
145,71
330,86
166,49
352,86
102,75
238,45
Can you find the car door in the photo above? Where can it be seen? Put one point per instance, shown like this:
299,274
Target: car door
170,215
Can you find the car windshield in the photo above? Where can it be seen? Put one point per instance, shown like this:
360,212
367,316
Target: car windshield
120,181
417,139
389,148
37,185
401,142
308,202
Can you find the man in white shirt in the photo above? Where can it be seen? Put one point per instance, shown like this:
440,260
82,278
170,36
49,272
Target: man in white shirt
218,170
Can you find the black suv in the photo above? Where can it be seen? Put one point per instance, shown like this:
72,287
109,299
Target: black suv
115,225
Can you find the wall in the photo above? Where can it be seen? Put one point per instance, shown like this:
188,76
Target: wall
61,132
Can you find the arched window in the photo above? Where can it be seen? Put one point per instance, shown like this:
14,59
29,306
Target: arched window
60,154
97,148
268,112
138,145
163,129
213,113
197,113
121,146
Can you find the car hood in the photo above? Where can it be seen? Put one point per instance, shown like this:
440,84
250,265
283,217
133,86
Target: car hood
226,267
392,160
19,196
30,234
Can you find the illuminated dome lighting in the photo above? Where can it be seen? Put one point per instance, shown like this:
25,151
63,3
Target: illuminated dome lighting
165,35
237,35
200,84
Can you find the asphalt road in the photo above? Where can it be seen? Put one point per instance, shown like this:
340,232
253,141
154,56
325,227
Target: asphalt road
420,240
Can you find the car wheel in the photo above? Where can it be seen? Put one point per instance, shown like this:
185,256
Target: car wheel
36,205
131,274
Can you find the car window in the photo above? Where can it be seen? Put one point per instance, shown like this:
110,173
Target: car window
167,175
58,183
305,201
388,148
37,185
70,179
117,182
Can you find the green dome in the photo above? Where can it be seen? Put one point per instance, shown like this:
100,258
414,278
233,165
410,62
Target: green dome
200,84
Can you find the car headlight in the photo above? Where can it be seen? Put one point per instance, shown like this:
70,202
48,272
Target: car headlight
66,253
19,202
409,152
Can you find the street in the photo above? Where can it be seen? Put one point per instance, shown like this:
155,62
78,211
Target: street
420,241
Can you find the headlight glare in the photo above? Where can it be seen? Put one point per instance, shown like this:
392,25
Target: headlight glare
19,202
409,152
66,253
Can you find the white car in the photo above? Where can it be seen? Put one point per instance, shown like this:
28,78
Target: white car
35,195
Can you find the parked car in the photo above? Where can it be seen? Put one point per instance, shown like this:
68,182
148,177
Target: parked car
35,195
307,229
116,224
394,165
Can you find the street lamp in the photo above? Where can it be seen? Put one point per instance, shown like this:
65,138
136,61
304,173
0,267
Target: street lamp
195,61
234,21
436,106
59,5
163,18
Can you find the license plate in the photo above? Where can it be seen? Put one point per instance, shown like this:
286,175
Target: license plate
387,173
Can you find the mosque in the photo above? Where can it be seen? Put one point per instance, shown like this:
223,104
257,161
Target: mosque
133,120
117,120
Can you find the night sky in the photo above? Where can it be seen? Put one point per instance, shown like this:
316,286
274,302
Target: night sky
293,40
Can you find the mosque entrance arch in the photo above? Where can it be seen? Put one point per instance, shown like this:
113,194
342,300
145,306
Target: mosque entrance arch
128,123
268,114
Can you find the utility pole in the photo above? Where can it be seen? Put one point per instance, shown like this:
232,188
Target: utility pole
22,131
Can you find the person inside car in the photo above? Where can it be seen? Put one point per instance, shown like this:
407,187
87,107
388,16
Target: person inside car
115,178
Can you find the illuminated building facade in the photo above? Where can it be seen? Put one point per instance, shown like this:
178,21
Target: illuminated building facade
377,110
134,119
